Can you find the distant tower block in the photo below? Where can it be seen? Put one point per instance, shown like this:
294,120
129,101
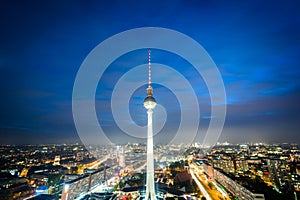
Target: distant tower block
149,104
122,159
56,160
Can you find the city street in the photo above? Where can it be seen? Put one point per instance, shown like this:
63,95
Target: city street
209,189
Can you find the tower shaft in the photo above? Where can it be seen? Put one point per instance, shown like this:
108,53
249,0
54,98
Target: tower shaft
150,189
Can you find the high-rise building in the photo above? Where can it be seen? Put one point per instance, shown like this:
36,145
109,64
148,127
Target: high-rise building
279,175
149,104
122,158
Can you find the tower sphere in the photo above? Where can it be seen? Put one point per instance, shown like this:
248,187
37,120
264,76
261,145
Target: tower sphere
149,102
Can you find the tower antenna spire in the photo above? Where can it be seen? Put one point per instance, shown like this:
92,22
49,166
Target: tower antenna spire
149,68
149,89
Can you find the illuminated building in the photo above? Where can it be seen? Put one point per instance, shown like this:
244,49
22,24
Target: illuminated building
122,160
56,160
80,186
232,186
279,175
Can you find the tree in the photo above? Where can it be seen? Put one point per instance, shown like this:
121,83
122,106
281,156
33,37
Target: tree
6,194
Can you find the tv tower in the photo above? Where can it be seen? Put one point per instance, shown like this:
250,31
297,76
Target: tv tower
149,104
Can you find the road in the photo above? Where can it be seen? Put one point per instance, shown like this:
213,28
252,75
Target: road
99,162
209,188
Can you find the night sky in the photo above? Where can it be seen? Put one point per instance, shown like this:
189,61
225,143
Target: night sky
254,44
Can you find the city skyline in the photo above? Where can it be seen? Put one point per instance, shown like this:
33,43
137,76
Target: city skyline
255,46
248,168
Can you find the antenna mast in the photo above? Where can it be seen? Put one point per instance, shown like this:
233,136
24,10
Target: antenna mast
149,89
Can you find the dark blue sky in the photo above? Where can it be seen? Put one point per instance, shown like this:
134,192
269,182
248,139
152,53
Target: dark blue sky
255,45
